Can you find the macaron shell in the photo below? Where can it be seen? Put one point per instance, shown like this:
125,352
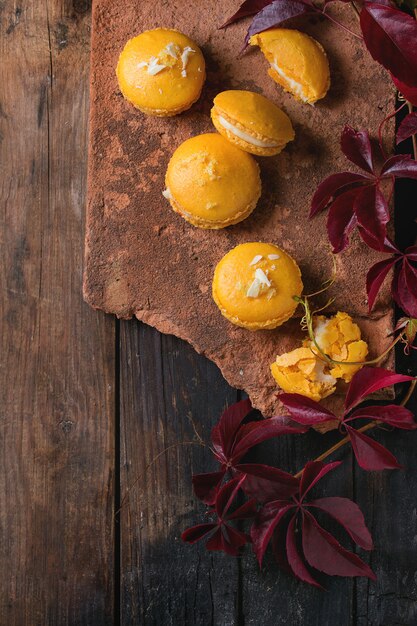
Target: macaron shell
300,57
212,183
234,274
254,114
168,92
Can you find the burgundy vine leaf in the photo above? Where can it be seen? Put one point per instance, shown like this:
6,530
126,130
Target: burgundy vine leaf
341,220
372,212
356,199
263,528
400,166
266,483
279,521
409,93
223,434
348,515
369,454
408,127
250,435
295,560
375,277
278,12
356,146
223,536
206,485
368,380
404,287
391,37
313,472
391,414
325,553
333,186
246,9
305,411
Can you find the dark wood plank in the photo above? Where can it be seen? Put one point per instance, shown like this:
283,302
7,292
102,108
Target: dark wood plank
166,390
57,377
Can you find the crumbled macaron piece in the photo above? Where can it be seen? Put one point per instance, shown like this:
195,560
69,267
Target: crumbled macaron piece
161,72
306,372
251,122
340,338
300,371
297,62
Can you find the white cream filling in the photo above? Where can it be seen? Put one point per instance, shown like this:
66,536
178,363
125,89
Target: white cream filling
245,136
297,88
320,328
167,194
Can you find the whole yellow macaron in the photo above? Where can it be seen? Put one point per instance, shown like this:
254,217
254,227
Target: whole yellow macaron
161,72
211,183
254,286
251,122
297,62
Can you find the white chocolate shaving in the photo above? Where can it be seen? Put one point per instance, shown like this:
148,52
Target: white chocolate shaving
154,66
273,257
254,289
245,136
185,58
172,49
256,259
167,194
262,277
296,88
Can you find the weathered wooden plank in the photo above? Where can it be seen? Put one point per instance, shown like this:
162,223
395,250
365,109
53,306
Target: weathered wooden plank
166,390
57,373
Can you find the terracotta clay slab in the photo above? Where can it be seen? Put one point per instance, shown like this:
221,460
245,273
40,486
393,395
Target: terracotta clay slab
142,259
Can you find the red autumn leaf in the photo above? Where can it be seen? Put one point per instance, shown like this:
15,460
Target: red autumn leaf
341,220
368,380
325,553
408,127
263,528
246,511
295,560
356,200
370,455
195,533
226,496
348,515
333,186
227,539
409,93
266,483
356,146
250,435
391,414
224,432
400,166
277,12
305,411
391,37
205,485
404,287
372,212
246,9
313,472
375,277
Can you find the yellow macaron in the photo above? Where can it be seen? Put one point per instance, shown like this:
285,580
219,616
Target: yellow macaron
251,122
211,183
161,72
297,62
254,286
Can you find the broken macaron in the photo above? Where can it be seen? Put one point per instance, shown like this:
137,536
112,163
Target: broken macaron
297,62
161,72
251,122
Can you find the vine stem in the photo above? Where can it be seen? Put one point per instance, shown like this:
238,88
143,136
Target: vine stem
332,19
381,126
369,426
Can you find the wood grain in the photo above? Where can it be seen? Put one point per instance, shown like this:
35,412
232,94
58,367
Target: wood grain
167,393
57,377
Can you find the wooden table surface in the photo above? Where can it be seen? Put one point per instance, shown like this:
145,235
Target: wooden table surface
87,403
